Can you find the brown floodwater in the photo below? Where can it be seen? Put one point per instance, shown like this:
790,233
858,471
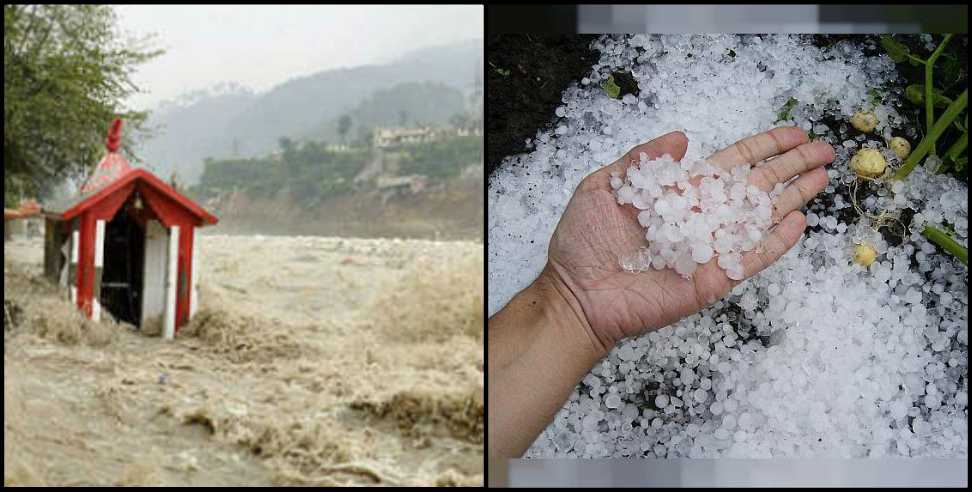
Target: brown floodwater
312,361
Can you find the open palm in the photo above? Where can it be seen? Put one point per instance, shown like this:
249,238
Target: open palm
594,232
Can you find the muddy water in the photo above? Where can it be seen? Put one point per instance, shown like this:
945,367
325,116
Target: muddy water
312,361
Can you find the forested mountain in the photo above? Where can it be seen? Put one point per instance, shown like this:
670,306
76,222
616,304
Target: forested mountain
235,123
406,104
191,128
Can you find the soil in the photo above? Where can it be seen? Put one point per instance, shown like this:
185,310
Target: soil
454,211
527,73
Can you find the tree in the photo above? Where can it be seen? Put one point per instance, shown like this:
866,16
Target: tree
66,71
459,121
285,144
289,157
402,117
365,136
344,125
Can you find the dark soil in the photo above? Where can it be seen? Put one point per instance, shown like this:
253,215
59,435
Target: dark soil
526,75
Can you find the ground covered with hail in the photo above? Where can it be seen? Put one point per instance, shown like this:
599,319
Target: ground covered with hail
818,355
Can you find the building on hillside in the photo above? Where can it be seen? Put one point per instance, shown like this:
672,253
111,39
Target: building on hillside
467,132
390,142
338,147
126,244
390,138
392,186
394,137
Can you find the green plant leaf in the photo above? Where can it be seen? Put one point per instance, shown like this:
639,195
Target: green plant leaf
784,112
875,97
916,94
950,69
960,163
897,51
611,88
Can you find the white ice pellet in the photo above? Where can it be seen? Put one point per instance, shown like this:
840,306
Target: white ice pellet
846,353
612,401
701,395
661,401
688,227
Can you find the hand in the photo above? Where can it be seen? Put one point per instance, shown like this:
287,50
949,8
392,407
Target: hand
609,303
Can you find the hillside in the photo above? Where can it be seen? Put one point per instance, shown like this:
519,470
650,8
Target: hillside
238,124
404,104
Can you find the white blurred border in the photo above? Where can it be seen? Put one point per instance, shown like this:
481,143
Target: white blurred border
903,472
670,19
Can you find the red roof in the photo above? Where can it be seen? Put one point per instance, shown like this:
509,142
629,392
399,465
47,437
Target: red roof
72,209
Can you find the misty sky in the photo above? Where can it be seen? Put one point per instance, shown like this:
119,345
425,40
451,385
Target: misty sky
261,46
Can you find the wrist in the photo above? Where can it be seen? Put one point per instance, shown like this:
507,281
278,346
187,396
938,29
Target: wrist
539,349
565,310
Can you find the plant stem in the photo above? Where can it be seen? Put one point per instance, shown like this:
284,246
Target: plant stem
916,59
929,102
959,145
939,237
936,131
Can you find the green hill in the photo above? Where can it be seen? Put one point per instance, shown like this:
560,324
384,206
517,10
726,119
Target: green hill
235,124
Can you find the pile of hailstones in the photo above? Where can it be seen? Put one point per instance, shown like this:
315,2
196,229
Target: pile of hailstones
694,210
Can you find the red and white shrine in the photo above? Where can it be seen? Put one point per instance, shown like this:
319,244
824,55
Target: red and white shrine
127,244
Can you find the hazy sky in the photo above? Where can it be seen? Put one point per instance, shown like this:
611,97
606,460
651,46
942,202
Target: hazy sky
263,45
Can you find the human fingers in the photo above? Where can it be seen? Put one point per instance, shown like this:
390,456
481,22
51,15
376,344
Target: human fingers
797,161
799,192
753,149
779,240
